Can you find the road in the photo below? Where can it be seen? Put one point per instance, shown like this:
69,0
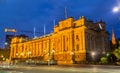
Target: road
61,69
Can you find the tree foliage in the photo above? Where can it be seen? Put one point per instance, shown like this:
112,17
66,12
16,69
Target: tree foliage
117,53
104,60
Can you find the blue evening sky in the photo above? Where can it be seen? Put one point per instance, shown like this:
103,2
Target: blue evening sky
24,15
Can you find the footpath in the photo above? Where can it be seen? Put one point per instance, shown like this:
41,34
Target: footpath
70,66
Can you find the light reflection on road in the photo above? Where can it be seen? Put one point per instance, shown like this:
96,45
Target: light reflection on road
55,69
10,72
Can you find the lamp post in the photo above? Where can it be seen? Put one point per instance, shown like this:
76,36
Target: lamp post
16,58
16,54
22,56
93,55
29,55
2,57
48,53
53,51
48,58
72,55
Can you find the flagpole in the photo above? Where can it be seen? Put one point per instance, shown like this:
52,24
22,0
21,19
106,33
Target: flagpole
54,22
65,13
34,32
44,30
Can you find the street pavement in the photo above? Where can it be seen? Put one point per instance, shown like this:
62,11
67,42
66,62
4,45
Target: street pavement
60,69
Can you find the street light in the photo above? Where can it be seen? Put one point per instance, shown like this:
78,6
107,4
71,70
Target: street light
22,54
116,9
16,54
29,53
1,56
16,58
93,54
48,56
53,51
48,59
72,54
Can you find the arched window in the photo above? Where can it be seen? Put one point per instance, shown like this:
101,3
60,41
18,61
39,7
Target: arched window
77,37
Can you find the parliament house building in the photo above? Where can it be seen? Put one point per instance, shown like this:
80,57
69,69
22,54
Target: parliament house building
69,43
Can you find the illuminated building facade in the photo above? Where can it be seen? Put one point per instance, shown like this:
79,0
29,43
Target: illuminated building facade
69,42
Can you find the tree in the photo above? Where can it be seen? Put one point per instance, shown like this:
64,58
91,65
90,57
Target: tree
103,60
117,53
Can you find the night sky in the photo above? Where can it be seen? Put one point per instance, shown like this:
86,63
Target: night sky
24,15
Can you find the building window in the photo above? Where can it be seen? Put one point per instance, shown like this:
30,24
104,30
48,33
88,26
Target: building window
22,49
67,39
66,48
63,43
13,51
77,47
58,40
77,38
74,25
